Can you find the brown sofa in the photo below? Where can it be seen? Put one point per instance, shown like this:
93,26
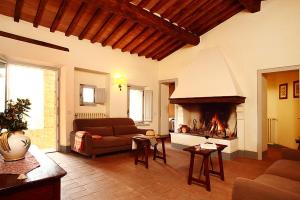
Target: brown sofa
279,182
116,135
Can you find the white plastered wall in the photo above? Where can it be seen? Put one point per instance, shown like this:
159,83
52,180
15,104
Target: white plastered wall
83,54
248,42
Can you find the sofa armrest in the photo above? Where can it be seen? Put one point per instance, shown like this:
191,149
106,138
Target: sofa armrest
87,143
245,189
291,154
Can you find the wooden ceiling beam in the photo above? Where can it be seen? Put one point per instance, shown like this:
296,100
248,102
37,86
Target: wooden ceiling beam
142,46
158,6
158,42
144,3
119,28
188,10
146,18
160,48
203,11
138,40
172,49
125,34
39,13
251,5
90,23
59,15
173,9
129,36
211,13
76,18
219,19
106,22
108,30
18,10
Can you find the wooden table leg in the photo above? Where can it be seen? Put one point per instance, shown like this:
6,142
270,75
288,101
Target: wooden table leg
154,151
164,150
147,147
221,165
206,173
191,168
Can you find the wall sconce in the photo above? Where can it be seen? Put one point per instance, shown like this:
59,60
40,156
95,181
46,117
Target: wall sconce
119,80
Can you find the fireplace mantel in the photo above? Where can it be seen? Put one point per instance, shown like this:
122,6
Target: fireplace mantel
217,99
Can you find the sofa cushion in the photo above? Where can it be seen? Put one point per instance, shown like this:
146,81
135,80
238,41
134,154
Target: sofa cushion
279,182
125,129
285,168
111,141
103,131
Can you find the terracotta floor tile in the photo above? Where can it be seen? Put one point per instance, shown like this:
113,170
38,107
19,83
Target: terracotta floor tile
115,177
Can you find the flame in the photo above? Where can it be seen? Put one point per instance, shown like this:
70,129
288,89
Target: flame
215,120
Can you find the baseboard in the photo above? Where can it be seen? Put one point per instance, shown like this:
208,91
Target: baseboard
64,149
226,156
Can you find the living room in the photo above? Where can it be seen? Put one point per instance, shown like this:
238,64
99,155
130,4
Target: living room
231,59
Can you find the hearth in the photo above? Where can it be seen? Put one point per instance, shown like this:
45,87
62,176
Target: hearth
214,117
216,120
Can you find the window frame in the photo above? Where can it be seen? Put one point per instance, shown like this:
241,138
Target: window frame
4,62
82,103
143,89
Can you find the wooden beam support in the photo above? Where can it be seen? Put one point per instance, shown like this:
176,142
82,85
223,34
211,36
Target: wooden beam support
76,19
124,35
18,9
135,13
144,3
158,6
59,15
39,13
90,23
32,41
251,5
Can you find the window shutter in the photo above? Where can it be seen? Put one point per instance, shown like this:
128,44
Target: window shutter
100,95
148,104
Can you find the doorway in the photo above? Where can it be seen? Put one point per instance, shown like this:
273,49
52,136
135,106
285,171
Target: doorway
278,108
167,110
40,86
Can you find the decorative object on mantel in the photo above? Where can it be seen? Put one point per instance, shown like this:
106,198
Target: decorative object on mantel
283,91
20,167
13,142
296,89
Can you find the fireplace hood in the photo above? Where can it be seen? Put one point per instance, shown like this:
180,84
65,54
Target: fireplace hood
207,80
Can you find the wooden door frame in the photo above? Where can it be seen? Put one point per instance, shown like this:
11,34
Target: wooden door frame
166,81
260,101
57,71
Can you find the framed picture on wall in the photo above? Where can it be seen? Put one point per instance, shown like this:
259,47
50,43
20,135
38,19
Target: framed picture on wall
283,91
296,89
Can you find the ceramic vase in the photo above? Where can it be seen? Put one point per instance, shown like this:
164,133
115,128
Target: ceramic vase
15,146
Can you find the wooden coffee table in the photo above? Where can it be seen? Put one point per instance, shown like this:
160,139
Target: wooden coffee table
161,138
206,153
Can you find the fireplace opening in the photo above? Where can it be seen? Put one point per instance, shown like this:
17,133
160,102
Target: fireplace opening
216,120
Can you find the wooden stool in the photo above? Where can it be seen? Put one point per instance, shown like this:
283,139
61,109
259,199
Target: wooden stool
142,148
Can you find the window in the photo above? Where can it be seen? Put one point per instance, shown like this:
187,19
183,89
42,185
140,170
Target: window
139,104
87,95
2,86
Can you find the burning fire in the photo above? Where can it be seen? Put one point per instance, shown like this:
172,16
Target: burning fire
217,125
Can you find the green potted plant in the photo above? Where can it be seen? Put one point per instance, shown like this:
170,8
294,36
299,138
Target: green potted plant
13,142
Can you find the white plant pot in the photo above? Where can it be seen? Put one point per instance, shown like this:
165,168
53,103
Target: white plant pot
19,144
